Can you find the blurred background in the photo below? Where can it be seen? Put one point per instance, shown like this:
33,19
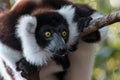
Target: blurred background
107,63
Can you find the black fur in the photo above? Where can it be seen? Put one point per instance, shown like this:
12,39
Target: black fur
63,61
91,38
73,47
83,23
81,11
49,21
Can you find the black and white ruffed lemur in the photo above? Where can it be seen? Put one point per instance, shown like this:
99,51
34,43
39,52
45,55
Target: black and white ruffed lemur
40,32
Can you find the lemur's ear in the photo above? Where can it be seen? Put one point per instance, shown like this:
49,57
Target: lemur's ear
26,24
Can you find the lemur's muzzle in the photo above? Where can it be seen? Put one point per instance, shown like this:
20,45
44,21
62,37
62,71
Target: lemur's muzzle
58,46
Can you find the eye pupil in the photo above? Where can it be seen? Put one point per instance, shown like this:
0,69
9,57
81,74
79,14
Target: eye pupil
64,33
47,34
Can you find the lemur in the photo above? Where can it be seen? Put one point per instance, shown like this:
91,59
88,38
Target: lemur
31,43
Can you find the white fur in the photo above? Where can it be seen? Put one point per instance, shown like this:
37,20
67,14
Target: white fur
31,51
104,30
68,13
18,76
3,71
10,57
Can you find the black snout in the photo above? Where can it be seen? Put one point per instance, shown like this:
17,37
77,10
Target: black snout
62,52
57,45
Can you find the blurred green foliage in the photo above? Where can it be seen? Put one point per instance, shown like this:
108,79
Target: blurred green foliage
107,63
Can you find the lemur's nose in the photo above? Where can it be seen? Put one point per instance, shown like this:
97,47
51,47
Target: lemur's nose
62,51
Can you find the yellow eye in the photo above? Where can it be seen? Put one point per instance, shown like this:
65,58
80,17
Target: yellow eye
64,34
47,34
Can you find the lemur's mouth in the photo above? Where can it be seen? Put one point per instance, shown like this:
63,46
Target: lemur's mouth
61,52
61,55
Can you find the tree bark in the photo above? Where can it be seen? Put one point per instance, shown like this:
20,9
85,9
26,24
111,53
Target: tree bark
101,22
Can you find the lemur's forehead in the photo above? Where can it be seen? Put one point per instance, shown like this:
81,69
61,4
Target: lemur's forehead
50,18
57,28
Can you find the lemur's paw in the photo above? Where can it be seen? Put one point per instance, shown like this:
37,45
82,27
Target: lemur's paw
25,67
83,22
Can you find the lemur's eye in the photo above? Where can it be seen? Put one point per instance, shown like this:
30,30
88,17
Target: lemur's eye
48,34
64,34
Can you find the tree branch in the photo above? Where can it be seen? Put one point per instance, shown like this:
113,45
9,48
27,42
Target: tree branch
101,22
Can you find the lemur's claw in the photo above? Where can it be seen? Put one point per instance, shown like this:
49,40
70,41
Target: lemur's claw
83,23
25,67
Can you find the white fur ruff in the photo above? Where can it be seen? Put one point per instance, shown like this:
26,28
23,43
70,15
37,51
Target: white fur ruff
31,51
68,12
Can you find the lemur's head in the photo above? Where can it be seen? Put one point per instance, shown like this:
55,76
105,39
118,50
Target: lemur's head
48,32
52,32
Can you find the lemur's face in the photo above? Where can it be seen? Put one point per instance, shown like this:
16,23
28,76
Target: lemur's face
52,33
